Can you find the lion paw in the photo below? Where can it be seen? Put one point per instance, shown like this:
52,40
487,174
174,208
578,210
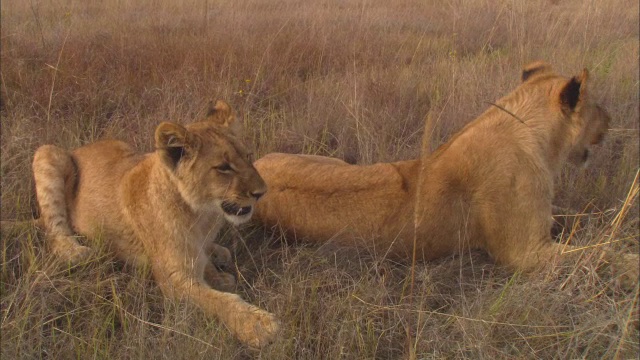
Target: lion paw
259,328
68,249
223,282
221,256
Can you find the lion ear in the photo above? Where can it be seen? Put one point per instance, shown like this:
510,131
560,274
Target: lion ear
535,68
174,142
574,92
221,113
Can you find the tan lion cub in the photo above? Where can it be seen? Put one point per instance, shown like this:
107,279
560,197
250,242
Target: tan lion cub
489,187
162,209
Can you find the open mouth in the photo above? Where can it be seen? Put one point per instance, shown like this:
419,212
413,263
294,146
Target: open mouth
235,210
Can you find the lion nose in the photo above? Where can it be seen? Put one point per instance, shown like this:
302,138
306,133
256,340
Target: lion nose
257,194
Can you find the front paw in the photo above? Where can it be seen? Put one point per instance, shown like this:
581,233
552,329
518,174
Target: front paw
221,257
225,282
218,279
257,327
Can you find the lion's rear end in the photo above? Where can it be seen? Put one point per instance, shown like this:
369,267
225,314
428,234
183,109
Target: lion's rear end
55,177
96,209
78,193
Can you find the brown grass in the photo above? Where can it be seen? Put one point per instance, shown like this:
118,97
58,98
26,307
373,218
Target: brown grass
352,79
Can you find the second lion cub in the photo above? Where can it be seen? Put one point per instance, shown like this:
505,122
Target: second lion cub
488,187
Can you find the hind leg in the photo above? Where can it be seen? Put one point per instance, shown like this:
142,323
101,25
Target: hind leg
53,170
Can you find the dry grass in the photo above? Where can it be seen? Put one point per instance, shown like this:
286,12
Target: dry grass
352,79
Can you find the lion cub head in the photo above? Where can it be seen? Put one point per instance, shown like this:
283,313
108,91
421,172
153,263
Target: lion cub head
596,124
210,166
586,121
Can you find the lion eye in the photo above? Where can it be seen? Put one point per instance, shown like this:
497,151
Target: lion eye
224,168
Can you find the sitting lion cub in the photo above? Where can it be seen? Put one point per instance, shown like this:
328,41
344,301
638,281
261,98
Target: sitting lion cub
163,209
489,187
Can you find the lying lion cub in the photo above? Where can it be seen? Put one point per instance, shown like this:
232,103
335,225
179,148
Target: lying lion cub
489,187
163,209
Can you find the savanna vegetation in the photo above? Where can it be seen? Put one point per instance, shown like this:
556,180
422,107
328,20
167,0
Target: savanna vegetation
353,79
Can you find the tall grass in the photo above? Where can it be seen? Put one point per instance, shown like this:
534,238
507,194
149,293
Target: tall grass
346,78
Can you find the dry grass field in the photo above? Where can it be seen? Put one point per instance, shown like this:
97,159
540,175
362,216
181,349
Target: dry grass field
347,78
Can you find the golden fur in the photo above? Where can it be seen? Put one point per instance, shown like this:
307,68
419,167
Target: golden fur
488,187
161,209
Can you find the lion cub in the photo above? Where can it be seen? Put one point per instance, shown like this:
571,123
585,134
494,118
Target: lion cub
490,186
163,209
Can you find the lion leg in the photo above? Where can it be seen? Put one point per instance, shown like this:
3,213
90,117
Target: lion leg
220,255
624,267
214,274
545,255
523,242
248,323
219,280
52,168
